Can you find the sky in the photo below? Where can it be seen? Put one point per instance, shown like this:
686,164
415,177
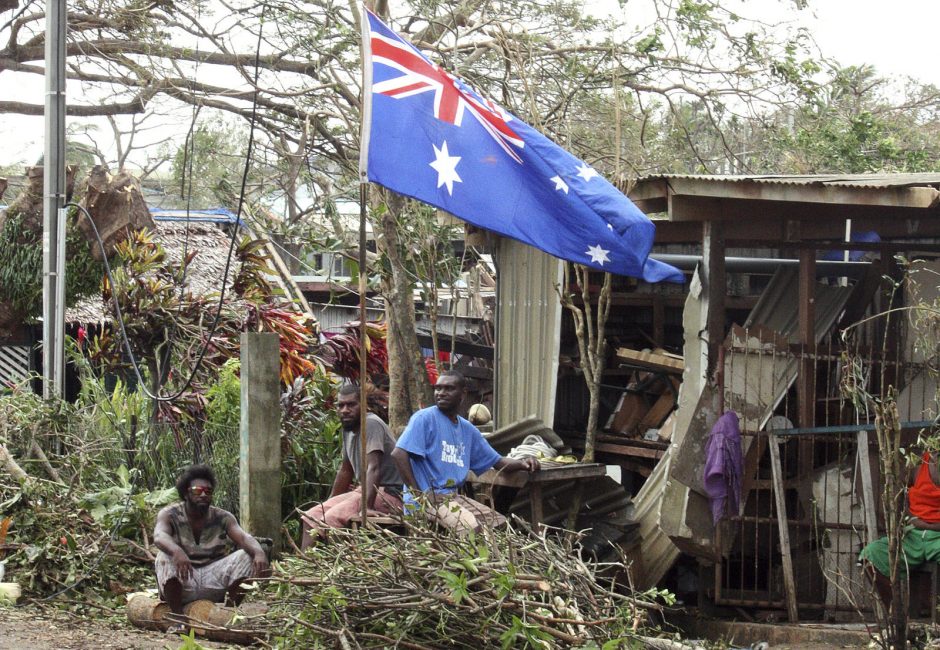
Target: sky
897,37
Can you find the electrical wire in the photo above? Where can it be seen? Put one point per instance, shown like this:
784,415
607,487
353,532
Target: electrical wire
228,260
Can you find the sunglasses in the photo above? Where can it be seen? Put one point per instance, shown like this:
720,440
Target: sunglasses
199,490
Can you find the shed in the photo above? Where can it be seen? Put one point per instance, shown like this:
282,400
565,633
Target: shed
763,348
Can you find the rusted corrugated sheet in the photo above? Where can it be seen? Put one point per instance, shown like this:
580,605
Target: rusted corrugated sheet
774,308
871,181
528,330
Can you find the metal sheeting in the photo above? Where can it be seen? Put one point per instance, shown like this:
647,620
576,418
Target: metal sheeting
870,181
14,363
783,290
504,439
528,331
333,317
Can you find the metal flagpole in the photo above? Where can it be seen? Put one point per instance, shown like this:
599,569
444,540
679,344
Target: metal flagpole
365,123
53,239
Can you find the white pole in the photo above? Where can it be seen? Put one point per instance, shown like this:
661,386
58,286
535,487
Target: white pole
54,196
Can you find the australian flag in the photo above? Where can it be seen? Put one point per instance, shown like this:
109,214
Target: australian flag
428,135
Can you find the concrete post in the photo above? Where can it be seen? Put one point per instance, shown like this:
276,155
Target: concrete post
260,458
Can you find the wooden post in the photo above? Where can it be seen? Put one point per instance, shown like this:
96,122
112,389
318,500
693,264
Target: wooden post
789,585
260,457
868,490
806,381
713,264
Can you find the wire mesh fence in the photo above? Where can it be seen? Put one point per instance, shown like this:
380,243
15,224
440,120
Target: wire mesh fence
811,464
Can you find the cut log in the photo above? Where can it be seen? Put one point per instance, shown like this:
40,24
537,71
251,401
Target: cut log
207,619
147,612
10,592
117,207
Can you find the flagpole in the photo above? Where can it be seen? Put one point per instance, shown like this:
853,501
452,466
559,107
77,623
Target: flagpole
364,128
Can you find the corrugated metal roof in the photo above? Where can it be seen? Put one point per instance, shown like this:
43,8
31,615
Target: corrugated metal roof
869,181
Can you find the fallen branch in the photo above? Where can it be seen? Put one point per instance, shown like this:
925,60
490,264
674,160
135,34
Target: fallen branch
11,466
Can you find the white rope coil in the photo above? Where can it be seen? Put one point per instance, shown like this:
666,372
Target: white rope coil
533,447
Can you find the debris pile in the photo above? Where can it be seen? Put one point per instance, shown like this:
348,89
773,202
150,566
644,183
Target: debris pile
432,588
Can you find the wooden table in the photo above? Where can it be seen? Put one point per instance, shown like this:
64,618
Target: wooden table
557,473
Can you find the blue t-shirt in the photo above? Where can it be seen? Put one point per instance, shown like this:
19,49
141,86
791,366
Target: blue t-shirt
442,452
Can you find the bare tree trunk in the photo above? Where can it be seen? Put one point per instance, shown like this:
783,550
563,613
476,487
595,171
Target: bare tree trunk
592,345
409,389
593,350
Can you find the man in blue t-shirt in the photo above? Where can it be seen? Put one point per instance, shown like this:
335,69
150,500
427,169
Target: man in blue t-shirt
438,448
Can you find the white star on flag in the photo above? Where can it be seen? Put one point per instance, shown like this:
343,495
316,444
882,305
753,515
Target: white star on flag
586,172
598,254
560,184
446,167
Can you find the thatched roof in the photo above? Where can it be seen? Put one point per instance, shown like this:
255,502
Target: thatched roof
204,275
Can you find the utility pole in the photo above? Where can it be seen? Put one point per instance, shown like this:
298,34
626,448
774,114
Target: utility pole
53,234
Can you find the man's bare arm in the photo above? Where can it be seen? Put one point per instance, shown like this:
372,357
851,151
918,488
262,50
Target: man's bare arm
403,463
343,480
250,545
163,539
373,472
528,464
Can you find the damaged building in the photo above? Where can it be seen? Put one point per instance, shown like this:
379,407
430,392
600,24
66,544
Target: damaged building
778,268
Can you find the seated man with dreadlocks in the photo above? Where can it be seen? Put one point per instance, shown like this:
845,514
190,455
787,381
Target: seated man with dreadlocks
195,538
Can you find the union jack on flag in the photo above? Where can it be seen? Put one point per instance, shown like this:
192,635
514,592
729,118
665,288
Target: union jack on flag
451,97
494,170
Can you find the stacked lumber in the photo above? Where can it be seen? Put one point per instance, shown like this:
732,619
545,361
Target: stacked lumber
650,397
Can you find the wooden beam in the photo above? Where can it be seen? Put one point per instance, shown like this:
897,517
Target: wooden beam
716,288
807,330
776,472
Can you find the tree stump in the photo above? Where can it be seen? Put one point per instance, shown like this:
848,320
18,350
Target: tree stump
117,206
29,201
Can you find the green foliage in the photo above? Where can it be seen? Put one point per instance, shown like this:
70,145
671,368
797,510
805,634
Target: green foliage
21,266
201,168
120,504
53,541
311,443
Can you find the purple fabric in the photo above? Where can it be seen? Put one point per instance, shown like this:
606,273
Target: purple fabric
724,465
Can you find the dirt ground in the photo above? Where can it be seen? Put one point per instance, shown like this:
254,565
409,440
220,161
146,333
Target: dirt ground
25,628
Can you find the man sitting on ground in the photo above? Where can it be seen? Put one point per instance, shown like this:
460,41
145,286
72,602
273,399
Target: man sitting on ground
383,482
195,561
436,451
921,542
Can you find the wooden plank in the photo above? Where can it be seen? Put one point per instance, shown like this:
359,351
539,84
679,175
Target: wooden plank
660,410
630,410
625,449
574,471
868,491
656,360
789,584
